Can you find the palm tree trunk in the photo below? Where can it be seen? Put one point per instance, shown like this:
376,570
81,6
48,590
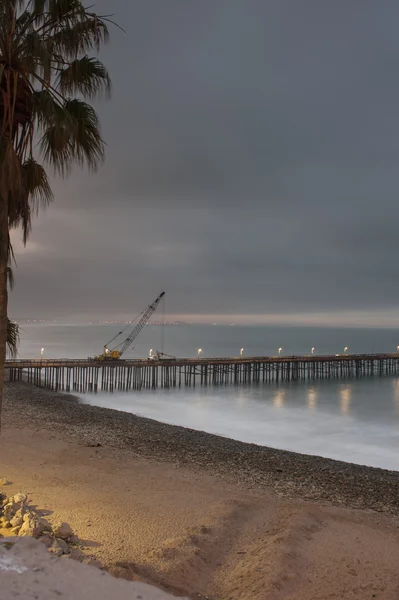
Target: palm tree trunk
3,291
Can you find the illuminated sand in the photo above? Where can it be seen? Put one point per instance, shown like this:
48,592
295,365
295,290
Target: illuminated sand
197,514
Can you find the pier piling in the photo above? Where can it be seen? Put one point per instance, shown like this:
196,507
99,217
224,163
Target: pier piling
89,376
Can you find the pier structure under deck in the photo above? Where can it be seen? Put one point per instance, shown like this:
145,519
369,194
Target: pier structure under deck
88,375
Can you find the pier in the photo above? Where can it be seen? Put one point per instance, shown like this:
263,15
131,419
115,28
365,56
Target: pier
88,375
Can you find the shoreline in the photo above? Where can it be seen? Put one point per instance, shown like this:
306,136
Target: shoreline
291,475
199,515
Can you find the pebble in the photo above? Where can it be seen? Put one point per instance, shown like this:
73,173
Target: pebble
24,522
291,474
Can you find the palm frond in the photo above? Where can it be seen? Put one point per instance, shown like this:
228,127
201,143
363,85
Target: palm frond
56,10
13,338
11,255
85,35
55,147
36,193
39,6
61,9
86,141
76,139
47,108
10,277
87,76
36,183
38,52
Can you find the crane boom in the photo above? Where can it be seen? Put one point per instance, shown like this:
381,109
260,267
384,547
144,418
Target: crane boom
142,322
116,353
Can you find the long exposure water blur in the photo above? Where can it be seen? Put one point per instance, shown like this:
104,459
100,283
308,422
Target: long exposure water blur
351,420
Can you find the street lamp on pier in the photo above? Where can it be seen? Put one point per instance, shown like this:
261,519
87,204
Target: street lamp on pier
313,349
241,351
199,352
345,349
280,351
41,353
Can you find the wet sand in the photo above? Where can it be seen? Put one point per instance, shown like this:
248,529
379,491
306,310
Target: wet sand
200,514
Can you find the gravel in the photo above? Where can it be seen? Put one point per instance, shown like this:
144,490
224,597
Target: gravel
291,475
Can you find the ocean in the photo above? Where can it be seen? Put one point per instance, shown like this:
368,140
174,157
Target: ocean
351,420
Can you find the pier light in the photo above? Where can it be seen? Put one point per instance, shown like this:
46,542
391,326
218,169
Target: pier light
150,353
313,349
199,352
345,349
41,353
241,351
397,349
280,351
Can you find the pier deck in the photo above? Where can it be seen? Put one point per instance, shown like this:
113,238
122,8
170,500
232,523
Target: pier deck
88,375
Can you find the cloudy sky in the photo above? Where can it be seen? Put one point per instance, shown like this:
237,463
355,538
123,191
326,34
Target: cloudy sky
252,169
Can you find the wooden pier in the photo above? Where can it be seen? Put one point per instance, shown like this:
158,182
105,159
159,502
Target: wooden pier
88,375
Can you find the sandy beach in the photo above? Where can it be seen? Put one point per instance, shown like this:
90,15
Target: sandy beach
199,514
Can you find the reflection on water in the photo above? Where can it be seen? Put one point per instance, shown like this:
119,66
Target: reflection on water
242,400
278,398
345,399
312,398
395,384
298,416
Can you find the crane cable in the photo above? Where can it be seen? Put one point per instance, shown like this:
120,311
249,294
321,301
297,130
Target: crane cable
140,314
163,324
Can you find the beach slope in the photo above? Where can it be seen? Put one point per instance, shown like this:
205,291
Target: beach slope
200,515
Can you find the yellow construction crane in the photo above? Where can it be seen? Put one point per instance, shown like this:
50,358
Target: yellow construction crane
116,352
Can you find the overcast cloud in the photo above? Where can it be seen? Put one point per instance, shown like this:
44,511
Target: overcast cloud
252,169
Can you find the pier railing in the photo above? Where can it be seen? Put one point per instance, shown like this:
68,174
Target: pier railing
89,375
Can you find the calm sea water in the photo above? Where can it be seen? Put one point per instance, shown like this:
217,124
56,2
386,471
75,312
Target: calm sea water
351,420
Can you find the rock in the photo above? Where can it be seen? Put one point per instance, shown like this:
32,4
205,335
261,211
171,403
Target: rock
63,531
33,527
62,544
4,523
4,482
19,498
55,550
59,547
8,511
29,528
14,530
46,540
17,519
27,515
76,554
45,525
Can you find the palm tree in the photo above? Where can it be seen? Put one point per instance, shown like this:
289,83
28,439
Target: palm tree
46,79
